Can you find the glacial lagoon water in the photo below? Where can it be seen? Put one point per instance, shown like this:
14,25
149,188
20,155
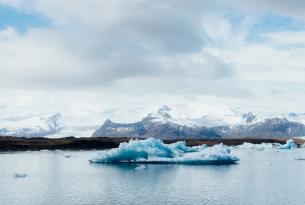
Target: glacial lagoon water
264,177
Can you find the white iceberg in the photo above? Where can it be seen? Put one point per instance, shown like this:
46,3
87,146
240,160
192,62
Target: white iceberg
257,147
140,167
289,145
155,151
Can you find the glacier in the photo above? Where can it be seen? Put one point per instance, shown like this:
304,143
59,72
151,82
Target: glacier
154,151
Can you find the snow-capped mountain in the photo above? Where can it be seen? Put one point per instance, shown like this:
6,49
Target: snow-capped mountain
271,127
232,124
37,127
166,122
79,121
158,125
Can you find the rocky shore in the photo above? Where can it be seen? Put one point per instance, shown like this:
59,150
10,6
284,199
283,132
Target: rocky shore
84,143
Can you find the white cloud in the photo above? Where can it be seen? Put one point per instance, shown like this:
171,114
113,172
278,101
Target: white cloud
286,38
150,52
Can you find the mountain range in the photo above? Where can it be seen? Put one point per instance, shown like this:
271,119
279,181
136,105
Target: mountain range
45,126
235,125
165,123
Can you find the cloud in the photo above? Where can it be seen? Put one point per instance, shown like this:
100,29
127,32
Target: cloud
161,48
294,8
286,38
88,47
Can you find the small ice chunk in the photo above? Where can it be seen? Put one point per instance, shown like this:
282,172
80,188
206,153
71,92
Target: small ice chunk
20,175
259,149
140,167
289,145
68,155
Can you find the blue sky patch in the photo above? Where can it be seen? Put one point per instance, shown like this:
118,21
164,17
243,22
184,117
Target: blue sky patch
235,17
273,23
21,21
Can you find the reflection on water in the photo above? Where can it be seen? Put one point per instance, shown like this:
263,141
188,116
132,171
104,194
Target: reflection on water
267,177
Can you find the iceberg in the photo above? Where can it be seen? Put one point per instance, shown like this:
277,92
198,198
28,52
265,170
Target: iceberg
257,147
289,145
154,151
140,167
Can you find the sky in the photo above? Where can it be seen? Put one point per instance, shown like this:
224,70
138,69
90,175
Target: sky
77,56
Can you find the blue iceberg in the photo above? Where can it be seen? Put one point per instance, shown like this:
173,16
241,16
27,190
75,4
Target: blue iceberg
289,145
154,151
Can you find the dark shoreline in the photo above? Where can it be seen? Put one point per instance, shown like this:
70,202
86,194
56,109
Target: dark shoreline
99,143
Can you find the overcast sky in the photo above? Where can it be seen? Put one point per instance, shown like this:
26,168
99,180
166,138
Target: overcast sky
58,54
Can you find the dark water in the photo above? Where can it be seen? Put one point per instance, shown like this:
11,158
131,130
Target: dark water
266,177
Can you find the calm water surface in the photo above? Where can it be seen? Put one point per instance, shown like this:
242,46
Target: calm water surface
266,177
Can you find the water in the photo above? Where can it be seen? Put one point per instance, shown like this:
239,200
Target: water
261,177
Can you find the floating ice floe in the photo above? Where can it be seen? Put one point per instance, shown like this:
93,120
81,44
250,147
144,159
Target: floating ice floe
20,175
256,147
154,151
260,147
289,145
68,155
140,167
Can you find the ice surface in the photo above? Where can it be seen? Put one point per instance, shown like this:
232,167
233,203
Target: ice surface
155,151
289,145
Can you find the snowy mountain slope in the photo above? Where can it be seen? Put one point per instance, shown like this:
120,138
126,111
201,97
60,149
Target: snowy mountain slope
271,127
183,121
79,121
32,127
233,124
153,127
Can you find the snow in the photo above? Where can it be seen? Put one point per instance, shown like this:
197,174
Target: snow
155,151
209,116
